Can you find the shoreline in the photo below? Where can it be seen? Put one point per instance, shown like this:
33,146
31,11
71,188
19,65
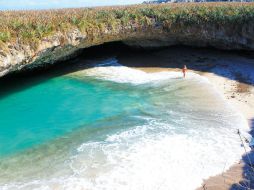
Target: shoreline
241,97
231,74
237,94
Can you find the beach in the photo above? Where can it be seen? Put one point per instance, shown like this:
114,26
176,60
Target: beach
97,97
241,96
131,121
232,75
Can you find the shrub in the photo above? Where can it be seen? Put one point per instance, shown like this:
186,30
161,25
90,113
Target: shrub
32,26
5,36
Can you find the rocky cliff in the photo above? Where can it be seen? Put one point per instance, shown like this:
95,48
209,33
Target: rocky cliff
151,32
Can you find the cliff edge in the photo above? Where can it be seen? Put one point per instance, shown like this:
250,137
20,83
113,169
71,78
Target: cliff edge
30,39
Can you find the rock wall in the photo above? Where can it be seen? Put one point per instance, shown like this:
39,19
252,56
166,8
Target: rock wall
64,46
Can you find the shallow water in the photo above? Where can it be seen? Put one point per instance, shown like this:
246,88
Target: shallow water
114,127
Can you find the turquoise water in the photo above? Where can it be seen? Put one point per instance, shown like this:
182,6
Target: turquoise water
116,128
56,107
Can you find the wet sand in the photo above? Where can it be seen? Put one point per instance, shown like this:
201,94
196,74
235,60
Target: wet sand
241,96
238,94
232,74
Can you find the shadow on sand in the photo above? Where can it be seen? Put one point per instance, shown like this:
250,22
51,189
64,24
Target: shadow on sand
248,168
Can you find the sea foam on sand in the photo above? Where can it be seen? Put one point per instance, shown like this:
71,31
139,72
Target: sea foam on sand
187,135
113,71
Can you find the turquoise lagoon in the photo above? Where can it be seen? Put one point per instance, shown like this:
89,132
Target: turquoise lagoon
116,128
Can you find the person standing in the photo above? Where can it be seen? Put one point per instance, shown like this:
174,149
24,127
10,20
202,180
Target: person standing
184,70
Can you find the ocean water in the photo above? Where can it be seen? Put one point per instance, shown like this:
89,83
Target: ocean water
111,127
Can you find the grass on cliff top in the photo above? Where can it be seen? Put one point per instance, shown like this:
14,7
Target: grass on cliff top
32,26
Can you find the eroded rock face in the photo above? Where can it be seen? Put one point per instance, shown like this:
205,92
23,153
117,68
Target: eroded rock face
59,47
16,57
220,37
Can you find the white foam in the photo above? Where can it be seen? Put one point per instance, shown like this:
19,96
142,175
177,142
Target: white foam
153,156
165,161
155,161
111,70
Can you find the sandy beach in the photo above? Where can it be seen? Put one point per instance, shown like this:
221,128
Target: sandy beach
241,96
233,76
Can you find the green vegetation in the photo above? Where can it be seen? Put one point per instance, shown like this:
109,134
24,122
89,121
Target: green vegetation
5,36
32,26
